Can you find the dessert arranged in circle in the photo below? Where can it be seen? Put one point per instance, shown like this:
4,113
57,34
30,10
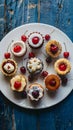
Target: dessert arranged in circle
18,83
35,40
18,48
62,66
34,65
35,92
9,67
53,48
52,82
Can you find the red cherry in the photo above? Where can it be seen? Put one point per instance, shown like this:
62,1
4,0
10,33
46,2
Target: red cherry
23,38
54,49
35,40
30,78
7,55
47,37
52,82
31,55
23,69
66,54
44,74
17,84
17,48
62,67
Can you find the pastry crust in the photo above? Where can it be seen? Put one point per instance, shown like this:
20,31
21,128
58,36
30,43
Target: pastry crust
20,78
15,69
52,77
48,45
66,62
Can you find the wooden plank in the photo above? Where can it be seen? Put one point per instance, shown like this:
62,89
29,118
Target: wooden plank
58,13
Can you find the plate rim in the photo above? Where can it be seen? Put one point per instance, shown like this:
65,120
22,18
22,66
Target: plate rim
36,108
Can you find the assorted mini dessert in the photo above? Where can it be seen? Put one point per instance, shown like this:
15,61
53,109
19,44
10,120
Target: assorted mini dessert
9,67
52,82
35,92
34,65
62,66
35,40
18,48
18,83
53,48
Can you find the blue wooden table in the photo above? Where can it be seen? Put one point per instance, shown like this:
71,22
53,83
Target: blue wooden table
58,13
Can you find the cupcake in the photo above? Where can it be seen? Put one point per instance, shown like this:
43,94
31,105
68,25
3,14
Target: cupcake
35,40
18,48
34,65
35,92
18,83
52,82
9,67
62,66
53,48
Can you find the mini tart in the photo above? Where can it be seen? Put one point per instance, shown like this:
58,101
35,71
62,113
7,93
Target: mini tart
18,83
53,48
18,48
34,65
35,92
9,67
52,82
62,66
35,40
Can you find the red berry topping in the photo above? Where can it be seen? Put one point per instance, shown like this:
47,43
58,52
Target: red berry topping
54,49
47,37
30,78
66,54
48,59
17,48
35,93
52,82
35,40
23,69
17,84
44,74
7,55
31,55
62,67
23,38
64,80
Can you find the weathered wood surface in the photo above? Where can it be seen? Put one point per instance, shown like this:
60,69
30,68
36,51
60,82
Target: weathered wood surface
58,13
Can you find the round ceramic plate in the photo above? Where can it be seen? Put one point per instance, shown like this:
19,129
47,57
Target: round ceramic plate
49,98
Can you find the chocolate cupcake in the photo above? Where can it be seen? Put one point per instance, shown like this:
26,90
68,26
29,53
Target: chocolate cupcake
35,40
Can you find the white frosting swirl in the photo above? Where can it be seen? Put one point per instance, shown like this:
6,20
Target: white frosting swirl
34,64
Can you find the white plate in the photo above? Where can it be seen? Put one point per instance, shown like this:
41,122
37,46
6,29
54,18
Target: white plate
49,99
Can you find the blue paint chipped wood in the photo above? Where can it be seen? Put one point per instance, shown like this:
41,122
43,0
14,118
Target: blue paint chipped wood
58,13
